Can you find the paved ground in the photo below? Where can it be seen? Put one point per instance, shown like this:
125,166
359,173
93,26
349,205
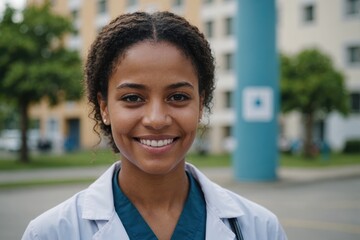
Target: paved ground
311,204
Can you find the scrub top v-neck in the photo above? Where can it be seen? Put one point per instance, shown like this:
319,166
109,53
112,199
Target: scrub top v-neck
191,224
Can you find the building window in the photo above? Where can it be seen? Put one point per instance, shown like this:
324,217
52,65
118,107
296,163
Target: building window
228,99
75,32
229,26
209,29
355,102
178,3
76,22
227,131
74,14
308,13
352,7
228,61
102,8
353,54
228,140
131,3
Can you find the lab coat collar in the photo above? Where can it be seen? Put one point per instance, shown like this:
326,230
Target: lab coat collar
99,201
219,207
99,206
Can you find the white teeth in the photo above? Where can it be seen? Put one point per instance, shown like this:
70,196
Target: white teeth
156,143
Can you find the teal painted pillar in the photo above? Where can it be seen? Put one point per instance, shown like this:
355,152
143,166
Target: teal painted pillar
256,99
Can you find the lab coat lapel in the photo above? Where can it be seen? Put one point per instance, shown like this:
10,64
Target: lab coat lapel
216,197
216,228
110,229
99,207
219,207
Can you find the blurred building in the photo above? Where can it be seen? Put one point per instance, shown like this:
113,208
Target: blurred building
333,26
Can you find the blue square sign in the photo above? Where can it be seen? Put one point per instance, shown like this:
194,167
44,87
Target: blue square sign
258,104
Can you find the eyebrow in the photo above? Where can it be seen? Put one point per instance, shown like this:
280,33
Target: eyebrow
143,87
131,85
180,84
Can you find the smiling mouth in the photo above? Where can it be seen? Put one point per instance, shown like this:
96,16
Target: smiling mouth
156,143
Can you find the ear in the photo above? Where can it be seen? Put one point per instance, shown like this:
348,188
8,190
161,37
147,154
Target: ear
103,109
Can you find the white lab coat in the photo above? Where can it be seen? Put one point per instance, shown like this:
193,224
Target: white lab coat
90,214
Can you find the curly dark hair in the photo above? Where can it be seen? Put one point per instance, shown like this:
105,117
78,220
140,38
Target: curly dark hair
128,29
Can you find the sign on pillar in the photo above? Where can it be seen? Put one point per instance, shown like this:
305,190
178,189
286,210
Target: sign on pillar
258,104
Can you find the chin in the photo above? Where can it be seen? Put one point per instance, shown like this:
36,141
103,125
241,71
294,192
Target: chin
156,168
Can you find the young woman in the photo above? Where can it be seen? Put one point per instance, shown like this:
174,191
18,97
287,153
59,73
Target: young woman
149,79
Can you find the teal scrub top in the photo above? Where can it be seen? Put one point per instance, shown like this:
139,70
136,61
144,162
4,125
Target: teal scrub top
191,224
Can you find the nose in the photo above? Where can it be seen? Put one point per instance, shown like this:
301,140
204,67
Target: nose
157,116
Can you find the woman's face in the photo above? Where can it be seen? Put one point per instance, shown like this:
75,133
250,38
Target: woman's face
153,106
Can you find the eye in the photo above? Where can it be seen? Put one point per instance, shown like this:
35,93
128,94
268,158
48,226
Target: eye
132,98
179,97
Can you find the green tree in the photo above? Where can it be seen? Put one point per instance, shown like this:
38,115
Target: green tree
310,84
34,63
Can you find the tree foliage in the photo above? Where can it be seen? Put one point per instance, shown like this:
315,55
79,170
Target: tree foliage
310,84
34,63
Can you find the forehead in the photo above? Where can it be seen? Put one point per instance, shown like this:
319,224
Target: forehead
154,60
149,49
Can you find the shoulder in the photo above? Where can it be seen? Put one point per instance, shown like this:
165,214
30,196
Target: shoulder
77,217
226,201
256,221
257,217
249,207
249,211
253,218
54,223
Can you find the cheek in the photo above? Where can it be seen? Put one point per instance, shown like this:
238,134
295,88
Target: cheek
121,131
188,120
122,122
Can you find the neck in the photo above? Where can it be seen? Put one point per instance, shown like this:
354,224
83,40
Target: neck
150,191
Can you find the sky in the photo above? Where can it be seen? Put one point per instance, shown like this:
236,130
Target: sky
13,3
